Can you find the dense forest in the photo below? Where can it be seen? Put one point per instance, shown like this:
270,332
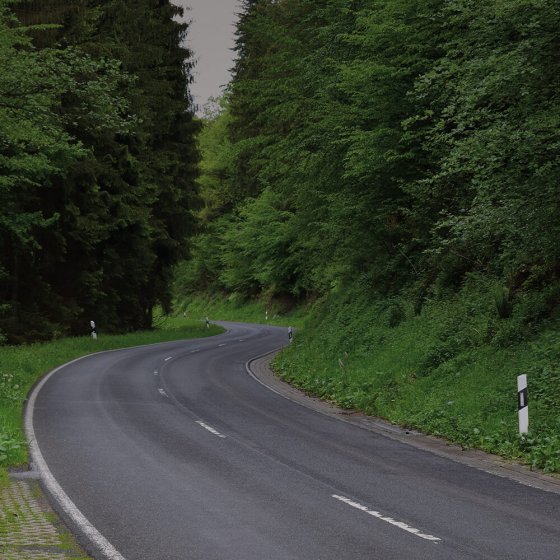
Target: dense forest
402,144
97,163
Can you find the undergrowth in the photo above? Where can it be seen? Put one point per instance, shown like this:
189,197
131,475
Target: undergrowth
449,370
221,307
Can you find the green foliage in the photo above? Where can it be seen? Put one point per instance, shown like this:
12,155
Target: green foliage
256,250
439,371
411,142
395,314
217,188
490,120
97,164
502,299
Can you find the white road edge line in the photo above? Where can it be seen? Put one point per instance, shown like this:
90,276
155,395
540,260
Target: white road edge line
163,393
210,429
390,520
107,549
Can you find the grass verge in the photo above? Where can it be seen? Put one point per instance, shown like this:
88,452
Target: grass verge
450,370
220,307
21,366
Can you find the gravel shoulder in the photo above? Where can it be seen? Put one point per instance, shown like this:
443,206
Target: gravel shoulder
260,370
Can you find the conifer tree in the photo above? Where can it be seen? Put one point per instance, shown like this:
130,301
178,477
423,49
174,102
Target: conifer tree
117,214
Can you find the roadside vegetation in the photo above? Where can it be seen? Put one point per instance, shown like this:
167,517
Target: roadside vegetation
232,307
22,366
449,371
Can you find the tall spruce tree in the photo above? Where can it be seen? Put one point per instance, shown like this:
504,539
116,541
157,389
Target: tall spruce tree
120,213
149,41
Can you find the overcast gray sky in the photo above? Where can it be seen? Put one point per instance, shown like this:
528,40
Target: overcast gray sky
211,37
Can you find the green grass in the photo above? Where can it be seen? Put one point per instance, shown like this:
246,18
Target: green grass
449,371
67,542
22,366
235,308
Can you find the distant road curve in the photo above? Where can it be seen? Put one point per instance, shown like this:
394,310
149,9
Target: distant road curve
173,452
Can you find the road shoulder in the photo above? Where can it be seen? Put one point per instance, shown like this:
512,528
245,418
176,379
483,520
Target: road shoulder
261,371
29,528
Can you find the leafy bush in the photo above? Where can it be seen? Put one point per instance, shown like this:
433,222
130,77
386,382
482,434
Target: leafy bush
543,449
395,314
536,305
502,299
10,445
510,333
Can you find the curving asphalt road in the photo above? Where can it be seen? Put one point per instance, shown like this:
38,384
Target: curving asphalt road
173,452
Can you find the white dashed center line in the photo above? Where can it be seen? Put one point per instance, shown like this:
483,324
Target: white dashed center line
210,429
220,345
390,520
162,392
169,358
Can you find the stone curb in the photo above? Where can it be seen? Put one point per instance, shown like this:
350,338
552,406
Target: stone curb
29,529
260,370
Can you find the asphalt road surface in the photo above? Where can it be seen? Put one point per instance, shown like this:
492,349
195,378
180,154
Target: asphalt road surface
174,452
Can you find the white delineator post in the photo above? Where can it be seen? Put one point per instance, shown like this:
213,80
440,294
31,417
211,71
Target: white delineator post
93,332
522,404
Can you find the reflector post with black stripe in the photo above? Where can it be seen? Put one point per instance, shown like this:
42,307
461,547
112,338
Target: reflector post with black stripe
522,404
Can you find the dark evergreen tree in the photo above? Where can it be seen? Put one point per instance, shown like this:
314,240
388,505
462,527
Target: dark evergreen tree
115,219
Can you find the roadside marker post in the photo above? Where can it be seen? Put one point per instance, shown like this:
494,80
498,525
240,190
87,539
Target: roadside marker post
522,404
93,332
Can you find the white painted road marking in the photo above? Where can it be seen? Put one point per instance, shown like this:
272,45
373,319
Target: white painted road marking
390,520
163,393
62,499
220,345
210,429
167,359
